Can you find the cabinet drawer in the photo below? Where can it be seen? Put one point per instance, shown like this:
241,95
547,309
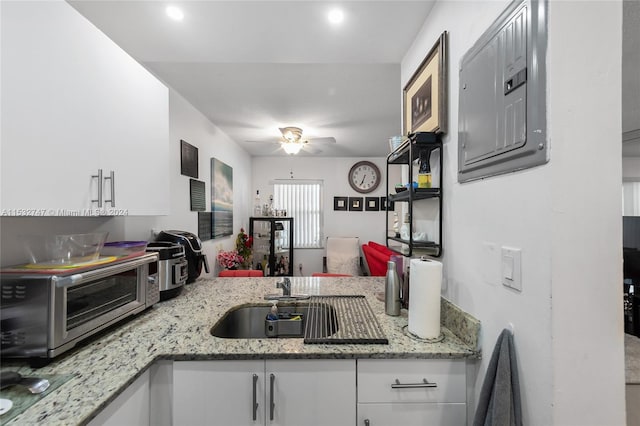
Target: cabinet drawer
412,414
376,377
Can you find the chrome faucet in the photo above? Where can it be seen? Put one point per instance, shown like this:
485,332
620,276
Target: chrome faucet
285,286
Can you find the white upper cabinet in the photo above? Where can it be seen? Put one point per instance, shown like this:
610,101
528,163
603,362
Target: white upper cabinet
74,103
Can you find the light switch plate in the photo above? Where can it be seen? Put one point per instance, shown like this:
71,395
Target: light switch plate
512,268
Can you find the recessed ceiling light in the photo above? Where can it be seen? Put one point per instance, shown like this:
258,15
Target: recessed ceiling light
336,16
174,13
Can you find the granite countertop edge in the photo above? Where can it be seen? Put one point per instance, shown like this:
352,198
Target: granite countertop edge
178,330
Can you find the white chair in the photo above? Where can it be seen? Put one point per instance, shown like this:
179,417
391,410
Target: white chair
343,256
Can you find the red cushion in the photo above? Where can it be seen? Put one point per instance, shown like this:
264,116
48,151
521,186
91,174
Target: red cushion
376,261
380,248
241,273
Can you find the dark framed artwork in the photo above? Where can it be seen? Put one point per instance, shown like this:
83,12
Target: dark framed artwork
371,204
385,204
197,195
425,95
188,159
340,203
205,219
221,199
355,204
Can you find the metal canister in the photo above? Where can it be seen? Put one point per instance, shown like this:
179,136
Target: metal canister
392,290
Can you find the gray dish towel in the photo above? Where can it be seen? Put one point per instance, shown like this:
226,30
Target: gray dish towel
499,403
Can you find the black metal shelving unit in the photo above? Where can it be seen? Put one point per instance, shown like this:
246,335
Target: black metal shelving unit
405,155
269,240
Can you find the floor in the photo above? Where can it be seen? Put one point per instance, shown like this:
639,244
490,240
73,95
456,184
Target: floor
632,376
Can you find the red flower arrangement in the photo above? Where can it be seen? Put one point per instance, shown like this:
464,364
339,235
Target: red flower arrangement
244,247
230,259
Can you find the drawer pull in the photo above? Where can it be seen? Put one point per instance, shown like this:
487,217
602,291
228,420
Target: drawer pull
425,384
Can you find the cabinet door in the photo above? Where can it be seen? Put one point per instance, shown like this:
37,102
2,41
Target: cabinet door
74,102
412,414
137,150
49,121
218,393
311,392
130,408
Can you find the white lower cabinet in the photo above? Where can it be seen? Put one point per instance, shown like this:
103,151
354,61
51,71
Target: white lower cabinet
130,408
411,392
271,392
412,414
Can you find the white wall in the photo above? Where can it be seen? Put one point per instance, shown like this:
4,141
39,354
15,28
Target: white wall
586,232
526,210
186,123
333,171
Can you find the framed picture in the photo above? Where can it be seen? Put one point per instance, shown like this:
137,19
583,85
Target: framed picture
371,204
355,204
340,203
424,98
205,219
221,199
188,159
197,195
385,204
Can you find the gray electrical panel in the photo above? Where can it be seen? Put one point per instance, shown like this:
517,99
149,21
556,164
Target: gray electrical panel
502,125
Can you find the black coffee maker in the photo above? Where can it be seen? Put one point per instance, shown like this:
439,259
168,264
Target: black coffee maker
192,250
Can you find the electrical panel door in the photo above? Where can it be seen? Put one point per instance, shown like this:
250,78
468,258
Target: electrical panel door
501,128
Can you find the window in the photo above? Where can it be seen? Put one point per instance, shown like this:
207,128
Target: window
302,199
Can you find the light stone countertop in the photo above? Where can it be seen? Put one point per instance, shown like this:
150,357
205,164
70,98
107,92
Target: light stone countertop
179,329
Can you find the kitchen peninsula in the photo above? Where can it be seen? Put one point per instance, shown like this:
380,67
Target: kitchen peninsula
179,330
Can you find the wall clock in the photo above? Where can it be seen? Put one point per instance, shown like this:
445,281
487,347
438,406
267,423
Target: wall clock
364,177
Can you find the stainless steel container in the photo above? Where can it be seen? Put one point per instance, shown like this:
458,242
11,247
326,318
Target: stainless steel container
392,290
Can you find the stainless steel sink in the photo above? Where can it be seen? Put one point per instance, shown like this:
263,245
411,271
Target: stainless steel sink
249,322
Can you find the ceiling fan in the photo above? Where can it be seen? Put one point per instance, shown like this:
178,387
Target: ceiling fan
291,141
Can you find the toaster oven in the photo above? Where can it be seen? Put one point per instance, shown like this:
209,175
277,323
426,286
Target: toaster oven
46,314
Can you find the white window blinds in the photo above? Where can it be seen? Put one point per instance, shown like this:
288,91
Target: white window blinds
302,199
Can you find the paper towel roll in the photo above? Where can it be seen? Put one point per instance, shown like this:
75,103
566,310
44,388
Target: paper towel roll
425,281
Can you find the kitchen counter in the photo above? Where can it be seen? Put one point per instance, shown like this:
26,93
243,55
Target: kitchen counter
179,329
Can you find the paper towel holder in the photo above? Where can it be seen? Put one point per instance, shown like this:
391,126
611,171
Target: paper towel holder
406,332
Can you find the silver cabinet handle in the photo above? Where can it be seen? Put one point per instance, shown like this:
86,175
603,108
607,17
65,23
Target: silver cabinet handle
425,384
272,381
113,186
99,177
255,397
366,422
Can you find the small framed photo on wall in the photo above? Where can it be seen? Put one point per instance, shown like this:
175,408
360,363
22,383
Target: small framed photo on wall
385,204
197,195
371,204
355,204
188,159
340,203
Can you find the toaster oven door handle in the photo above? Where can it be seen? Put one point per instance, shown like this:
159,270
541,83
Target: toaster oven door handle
105,271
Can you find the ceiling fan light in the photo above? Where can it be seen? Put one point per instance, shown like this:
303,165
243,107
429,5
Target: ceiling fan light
291,134
291,147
